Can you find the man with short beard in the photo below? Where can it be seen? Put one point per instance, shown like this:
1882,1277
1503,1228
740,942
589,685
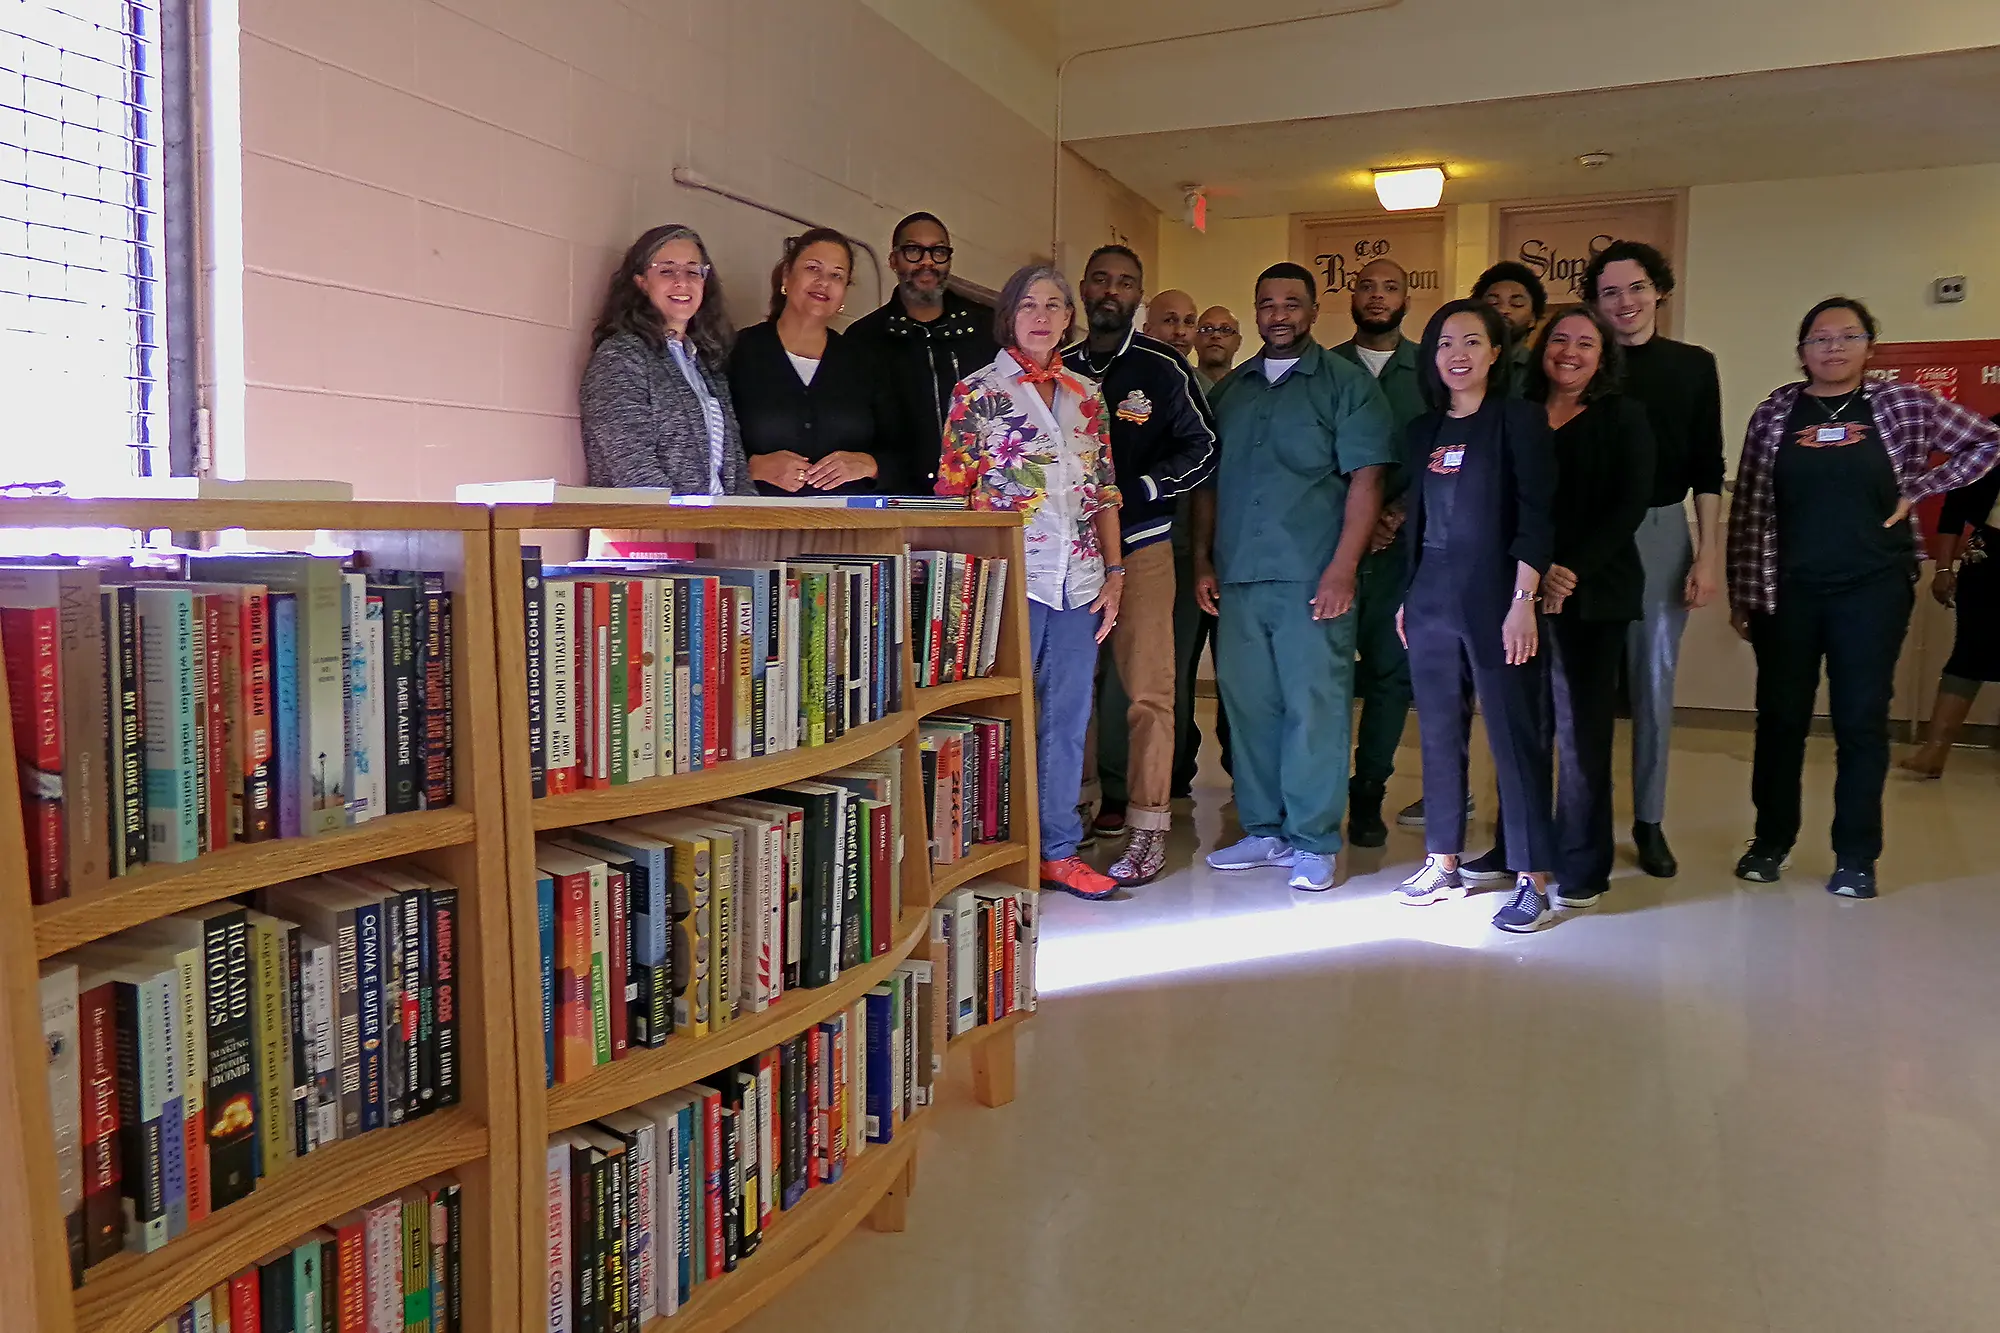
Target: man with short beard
1163,446
1382,668
924,340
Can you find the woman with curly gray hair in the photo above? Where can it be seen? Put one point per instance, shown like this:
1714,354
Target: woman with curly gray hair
655,397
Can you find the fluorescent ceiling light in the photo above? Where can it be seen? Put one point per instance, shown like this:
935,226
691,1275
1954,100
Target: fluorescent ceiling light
1401,188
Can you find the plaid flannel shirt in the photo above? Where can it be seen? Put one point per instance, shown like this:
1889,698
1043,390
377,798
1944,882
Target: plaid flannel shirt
1914,423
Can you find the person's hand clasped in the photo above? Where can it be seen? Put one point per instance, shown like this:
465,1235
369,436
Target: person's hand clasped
782,468
1557,586
1335,594
1701,586
1520,634
1208,591
839,468
1386,528
1106,605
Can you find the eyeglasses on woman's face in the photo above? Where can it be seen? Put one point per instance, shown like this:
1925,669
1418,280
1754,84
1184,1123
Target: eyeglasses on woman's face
670,272
1827,342
912,253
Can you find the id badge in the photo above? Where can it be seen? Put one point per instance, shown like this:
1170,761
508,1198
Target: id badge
1454,459
1831,434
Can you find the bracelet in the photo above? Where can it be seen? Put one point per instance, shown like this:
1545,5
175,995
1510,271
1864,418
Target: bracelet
1523,595
1113,569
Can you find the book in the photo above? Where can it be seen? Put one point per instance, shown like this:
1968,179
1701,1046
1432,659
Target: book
61,1042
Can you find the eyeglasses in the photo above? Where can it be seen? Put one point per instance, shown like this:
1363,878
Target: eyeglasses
1826,342
1217,330
913,253
680,272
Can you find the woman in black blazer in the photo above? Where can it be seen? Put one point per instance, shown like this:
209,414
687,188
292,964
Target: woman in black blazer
1604,464
1483,478
816,417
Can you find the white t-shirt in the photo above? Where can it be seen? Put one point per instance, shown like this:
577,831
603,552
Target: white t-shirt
1275,369
1373,360
806,366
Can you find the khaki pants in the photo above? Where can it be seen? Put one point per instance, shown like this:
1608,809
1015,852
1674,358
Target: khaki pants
1142,649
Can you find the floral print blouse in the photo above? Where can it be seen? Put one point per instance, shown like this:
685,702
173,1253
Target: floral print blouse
1004,448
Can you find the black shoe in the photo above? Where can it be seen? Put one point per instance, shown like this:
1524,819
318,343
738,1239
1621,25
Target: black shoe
1655,857
1364,814
1761,864
1485,869
1853,879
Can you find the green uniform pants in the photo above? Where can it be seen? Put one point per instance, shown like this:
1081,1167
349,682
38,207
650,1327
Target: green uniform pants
1382,671
1288,683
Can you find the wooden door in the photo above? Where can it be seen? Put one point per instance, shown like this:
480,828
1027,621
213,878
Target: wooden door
1336,249
1558,240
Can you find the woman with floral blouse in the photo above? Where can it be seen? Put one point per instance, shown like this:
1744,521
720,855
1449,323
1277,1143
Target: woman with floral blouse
1024,434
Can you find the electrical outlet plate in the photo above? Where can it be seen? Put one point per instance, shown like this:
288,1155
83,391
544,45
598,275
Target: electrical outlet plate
1947,291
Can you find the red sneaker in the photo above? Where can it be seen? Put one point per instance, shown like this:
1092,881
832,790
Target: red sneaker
1074,875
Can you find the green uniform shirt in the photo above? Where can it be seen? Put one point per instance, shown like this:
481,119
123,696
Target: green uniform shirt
1287,451
1398,382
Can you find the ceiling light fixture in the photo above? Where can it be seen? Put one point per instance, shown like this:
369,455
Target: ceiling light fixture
1404,188
1592,161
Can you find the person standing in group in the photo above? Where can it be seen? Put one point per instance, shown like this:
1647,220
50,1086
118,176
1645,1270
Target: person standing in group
1513,289
1217,339
1382,667
1481,538
654,400
1677,384
1278,544
1591,595
1163,446
817,419
1170,319
1027,435
1967,552
1823,567
924,339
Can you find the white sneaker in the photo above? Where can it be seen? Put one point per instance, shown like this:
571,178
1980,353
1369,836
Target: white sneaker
1251,853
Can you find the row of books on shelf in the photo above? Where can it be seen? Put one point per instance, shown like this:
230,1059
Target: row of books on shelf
684,922
167,706
197,1055
646,1205
968,764
956,606
391,1267
645,668
984,938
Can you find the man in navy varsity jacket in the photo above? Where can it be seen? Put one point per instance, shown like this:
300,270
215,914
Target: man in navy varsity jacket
1162,445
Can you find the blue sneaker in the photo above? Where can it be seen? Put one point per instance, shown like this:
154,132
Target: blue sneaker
1312,872
1527,912
1251,853
1431,884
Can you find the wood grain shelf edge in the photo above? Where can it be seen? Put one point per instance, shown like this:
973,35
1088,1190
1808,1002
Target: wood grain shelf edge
985,1031
158,890
644,1074
132,1293
956,694
985,859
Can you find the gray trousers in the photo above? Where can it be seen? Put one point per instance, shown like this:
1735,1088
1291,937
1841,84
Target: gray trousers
1653,653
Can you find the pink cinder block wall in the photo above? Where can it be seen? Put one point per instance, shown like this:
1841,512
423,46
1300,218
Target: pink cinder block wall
435,194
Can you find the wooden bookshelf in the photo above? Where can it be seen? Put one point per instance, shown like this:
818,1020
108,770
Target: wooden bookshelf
878,1182
986,859
465,845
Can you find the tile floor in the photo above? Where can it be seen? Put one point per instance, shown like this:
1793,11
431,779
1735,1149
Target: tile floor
1703,1107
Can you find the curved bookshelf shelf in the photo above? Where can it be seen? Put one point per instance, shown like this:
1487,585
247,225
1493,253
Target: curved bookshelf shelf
985,859
797,1239
158,890
724,780
652,1073
967,1040
257,515
132,1293
940,698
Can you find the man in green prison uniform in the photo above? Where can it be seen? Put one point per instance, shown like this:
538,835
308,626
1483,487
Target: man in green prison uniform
1382,668
1306,439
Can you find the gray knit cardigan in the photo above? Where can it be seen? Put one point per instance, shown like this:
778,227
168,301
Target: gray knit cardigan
643,424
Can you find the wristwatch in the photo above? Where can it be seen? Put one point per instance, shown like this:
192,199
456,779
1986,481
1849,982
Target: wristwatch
1523,595
1114,569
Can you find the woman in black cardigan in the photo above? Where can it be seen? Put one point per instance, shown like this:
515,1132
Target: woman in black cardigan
816,418
1483,477
1604,464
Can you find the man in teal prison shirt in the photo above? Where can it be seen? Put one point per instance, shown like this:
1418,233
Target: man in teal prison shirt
1306,440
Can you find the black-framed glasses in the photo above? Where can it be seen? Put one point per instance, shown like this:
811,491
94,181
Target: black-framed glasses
913,253
677,272
1217,330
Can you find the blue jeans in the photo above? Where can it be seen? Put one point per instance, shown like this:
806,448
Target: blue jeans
1063,647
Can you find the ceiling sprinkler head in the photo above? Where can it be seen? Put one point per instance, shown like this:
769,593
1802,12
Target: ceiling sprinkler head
1592,161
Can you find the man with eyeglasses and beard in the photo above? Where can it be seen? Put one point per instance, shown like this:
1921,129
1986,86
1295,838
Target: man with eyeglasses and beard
1163,446
1217,339
924,340
1382,667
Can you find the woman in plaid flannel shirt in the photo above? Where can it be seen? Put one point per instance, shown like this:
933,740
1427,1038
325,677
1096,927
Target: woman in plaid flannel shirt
1823,567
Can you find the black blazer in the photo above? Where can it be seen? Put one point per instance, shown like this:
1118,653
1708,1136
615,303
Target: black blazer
846,407
1605,464
1500,514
